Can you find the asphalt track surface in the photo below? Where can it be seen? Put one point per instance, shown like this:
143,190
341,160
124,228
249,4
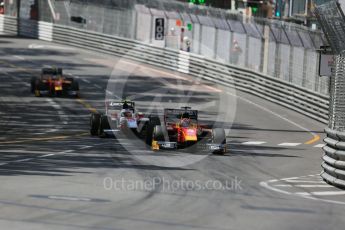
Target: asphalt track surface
55,176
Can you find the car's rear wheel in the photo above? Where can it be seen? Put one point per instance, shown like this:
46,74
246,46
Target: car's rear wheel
75,87
94,123
33,84
37,93
219,138
159,133
104,124
40,86
150,128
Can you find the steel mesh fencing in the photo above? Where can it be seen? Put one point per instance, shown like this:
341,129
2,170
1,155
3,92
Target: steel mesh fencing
11,8
109,17
332,21
337,114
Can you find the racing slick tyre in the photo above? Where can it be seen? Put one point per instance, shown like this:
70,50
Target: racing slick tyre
33,84
219,137
149,135
104,124
75,87
149,130
159,133
94,123
40,86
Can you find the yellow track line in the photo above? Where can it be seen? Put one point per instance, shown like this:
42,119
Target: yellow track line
313,140
18,67
43,139
87,105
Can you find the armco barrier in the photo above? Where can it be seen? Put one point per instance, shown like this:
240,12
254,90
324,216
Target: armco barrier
302,100
334,158
34,29
8,25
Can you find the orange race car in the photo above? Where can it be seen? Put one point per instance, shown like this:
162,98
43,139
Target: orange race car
181,129
53,83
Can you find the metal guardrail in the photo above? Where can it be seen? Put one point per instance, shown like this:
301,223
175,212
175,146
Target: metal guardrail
302,100
34,29
8,24
334,158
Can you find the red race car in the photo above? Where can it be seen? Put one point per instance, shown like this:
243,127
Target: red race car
52,82
181,129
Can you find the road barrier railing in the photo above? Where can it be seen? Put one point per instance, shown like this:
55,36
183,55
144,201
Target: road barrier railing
8,25
334,158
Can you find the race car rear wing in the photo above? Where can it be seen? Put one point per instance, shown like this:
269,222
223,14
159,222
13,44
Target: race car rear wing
176,114
52,71
119,105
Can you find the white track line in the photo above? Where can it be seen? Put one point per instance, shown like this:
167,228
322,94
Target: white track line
328,193
30,159
253,143
283,185
289,144
109,92
47,155
308,195
18,57
66,151
313,186
305,181
304,185
23,160
68,198
269,187
63,117
22,151
319,146
97,86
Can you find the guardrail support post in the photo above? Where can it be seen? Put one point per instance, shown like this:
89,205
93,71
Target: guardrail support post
266,47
